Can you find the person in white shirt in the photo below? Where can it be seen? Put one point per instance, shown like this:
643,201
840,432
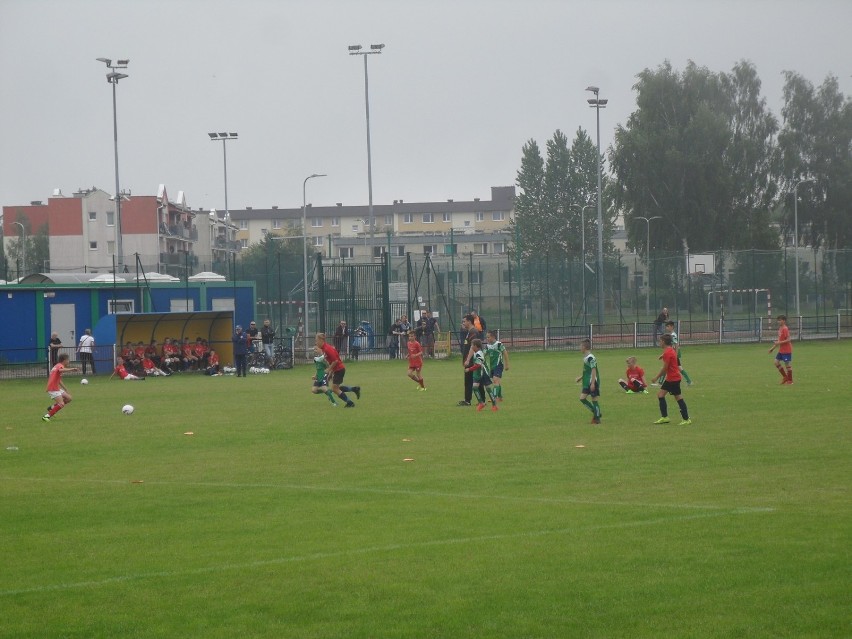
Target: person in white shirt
86,350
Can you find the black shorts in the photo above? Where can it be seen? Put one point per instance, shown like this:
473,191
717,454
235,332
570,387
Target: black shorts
592,393
671,387
337,376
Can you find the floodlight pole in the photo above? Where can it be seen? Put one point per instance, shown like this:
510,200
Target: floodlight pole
356,49
113,77
598,104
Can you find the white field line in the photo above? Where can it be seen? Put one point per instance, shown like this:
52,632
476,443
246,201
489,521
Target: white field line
167,574
390,491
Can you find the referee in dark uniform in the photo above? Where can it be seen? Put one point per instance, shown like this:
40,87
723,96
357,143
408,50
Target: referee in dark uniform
466,336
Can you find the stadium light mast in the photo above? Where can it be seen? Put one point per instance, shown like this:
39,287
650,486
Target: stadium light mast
224,137
597,104
356,49
113,77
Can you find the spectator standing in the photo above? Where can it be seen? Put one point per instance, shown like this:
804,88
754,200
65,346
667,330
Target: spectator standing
430,330
478,324
86,350
394,336
466,336
252,336
341,338
55,345
240,350
267,337
662,318
405,327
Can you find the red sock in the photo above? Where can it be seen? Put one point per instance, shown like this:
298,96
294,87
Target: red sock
783,374
56,408
789,374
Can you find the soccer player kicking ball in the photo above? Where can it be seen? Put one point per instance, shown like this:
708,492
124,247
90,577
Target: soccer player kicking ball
56,389
671,372
415,360
785,351
591,382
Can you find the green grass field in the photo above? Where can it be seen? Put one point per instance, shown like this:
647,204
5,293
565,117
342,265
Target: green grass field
284,517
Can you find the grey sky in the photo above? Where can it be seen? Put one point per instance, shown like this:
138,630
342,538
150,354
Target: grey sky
460,87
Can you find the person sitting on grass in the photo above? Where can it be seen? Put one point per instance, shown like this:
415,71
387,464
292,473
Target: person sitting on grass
151,369
121,371
634,378
213,363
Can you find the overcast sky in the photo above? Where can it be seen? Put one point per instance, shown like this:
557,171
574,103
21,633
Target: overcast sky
459,89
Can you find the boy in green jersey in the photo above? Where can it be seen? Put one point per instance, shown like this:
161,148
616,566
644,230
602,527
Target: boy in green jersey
481,378
498,361
591,381
320,377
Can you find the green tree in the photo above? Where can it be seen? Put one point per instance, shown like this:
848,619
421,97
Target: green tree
697,151
264,261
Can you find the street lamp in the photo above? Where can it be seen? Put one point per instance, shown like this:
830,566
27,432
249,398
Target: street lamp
224,137
305,255
583,251
23,243
598,104
648,255
356,49
113,77
796,236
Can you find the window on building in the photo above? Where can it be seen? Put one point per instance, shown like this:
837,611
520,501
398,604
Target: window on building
446,217
93,246
243,243
451,249
316,222
356,228
93,216
264,231
507,277
110,217
497,216
335,221
430,249
317,240
407,218
378,251
428,218
120,306
388,220
476,277
456,277
480,217
499,248
480,248
276,224
243,225
467,222
345,251
111,248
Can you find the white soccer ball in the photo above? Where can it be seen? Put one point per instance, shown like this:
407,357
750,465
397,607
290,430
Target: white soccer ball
84,381
127,409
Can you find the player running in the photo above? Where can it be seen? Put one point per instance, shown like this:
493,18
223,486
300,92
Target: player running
56,389
320,377
336,370
415,360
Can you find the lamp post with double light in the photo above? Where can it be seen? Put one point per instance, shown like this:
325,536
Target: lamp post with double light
224,138
113,77
305,255
356,49
796,236
583,251
647,221
597,104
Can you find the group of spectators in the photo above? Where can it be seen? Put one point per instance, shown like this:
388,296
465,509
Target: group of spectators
425,330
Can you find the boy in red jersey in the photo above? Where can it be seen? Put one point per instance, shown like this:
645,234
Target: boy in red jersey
415,360
336,371
784,344
56,389
121,371
634,378
671,371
